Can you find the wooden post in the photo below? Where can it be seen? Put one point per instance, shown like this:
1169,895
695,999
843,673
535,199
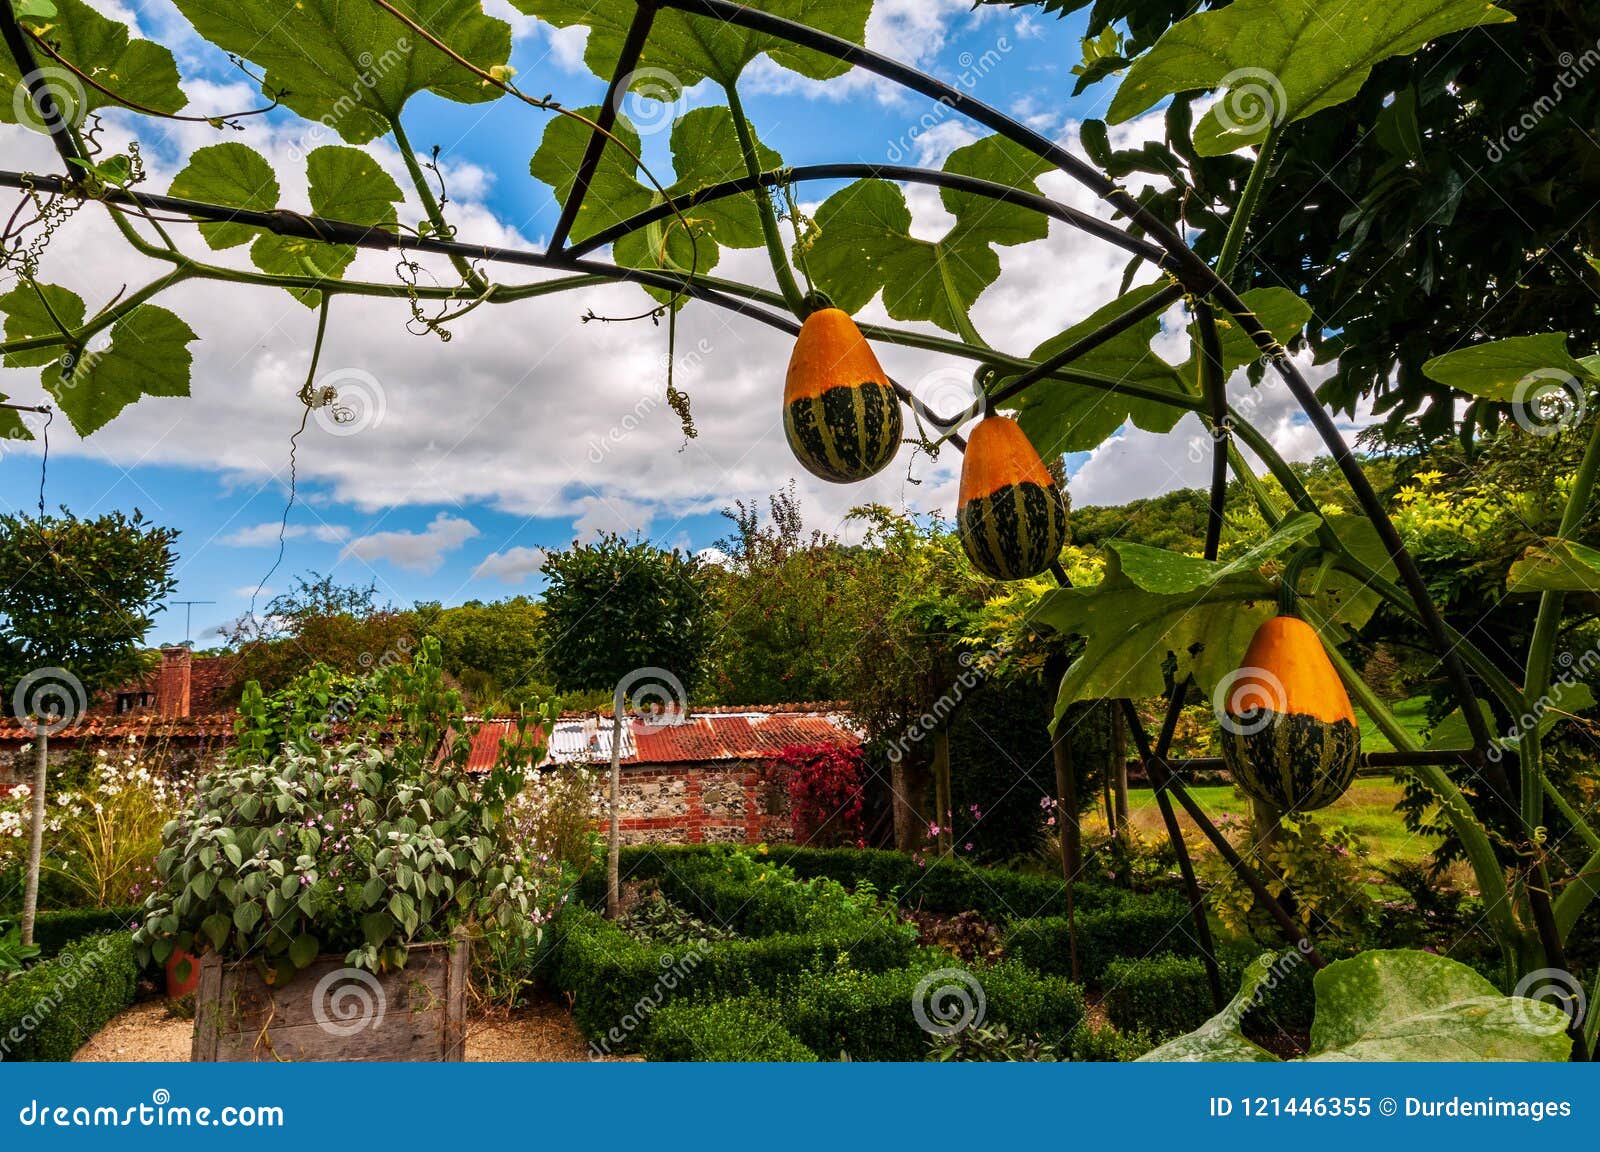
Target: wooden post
41,777
614,832
455,1000
207,1010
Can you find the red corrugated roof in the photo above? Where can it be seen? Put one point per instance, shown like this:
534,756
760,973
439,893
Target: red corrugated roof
704,737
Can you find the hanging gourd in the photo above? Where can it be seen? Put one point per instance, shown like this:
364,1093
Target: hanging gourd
1289,735
1010,513
840,412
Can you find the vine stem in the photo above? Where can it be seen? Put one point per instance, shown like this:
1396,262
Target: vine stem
1239,224
430,205
792,296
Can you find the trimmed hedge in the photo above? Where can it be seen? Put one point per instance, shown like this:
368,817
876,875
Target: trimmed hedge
870,1016
617,982
1169,995
49,1011
943,886
53,931
739,1031
1138,925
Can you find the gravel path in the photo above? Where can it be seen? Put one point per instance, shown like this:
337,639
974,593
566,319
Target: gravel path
541,1031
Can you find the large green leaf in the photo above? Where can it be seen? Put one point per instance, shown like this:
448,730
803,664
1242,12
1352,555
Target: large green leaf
345,184
141,71
705,151
1390,1005
1403,1005
862,242
683,49
148,356
11,425
1283,60
349,64
1501,370
1280,311
231,174
1158,612
28,318
1556,566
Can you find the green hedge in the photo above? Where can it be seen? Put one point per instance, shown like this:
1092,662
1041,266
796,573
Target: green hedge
1169,995
49,1011
1138,925
53,931
617,982
943,886
741,1031
871,1016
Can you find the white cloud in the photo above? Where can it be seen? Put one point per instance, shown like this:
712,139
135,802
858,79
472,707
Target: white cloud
415,551
264,534
512,566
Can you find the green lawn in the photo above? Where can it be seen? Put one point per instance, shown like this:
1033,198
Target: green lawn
1367,810
1410,713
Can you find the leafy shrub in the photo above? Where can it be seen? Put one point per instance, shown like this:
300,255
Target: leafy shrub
13,952
725,1031
751,892
1138,925
1167,995
997,1044
49,1011
53,931
556,810
870,1016
1107,1045
825,791
617,983
1325,867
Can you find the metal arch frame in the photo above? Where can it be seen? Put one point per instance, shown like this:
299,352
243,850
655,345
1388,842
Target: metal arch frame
1159,245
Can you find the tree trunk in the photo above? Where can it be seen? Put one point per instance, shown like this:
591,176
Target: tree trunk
30,894
614,834
1117,777
907,782
943,808
1067,830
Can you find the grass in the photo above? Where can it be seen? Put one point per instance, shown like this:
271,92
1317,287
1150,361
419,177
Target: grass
1367,810
1412,715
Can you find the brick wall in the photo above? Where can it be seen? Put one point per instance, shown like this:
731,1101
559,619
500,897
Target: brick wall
719,802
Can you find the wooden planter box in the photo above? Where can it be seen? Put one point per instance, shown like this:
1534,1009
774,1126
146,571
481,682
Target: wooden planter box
333,1012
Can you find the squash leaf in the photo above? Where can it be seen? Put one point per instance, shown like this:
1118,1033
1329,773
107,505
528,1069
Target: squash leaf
1556,565
1500,369
148,356
862,244
11,426
27,318
231,174
1283,60
1389,1005
705,151
352,67
684,49
1158,612
345,184
140,70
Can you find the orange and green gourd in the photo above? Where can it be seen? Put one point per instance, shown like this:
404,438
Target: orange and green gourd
840,412
1010,513
1289,735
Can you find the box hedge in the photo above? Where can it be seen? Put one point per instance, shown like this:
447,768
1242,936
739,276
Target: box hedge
49,1011
53,931
1169,995
739,1031
1136,925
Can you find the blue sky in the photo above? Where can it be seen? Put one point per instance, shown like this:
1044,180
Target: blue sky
531,428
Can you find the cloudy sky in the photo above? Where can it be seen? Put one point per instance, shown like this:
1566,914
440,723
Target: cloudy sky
531,428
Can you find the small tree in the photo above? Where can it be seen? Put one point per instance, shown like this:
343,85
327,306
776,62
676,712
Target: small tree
623,615
77,598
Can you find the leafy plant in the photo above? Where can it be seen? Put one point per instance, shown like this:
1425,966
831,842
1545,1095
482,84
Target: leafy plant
14,954
991,1043
825,792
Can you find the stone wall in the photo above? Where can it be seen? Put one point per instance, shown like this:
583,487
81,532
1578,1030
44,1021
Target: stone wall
706,803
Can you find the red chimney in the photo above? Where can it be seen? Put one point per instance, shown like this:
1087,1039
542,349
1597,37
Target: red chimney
172,683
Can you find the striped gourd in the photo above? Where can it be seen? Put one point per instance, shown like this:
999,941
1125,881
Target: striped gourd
1011,516
1289,735
840,413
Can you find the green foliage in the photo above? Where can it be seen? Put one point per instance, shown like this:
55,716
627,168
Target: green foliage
1319,52
1496,369
362,849
742,1031
53,931
980,1043
1324,869
353,67
13,952
55,1006
1136,925
1165,994
615,607
493,649
79,594
1392,1005
1000,769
